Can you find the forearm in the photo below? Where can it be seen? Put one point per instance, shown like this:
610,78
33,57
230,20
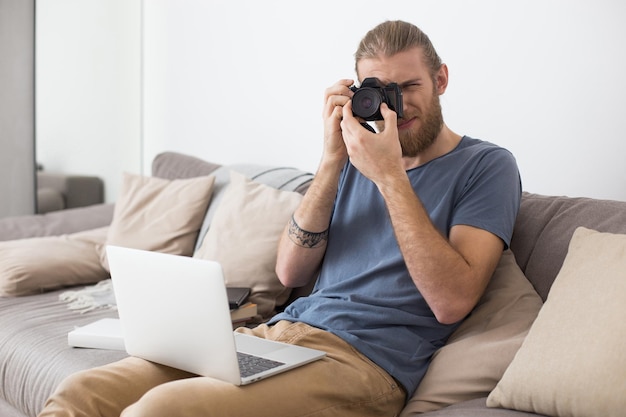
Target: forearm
303,242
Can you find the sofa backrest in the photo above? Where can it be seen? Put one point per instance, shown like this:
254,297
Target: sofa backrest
173,165
544,228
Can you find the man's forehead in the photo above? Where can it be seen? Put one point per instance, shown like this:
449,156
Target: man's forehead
400,68
400,82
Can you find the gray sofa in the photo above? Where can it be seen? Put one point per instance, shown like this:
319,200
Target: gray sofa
35,357
56,191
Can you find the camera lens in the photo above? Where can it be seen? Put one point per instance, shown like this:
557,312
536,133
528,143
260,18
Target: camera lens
366,102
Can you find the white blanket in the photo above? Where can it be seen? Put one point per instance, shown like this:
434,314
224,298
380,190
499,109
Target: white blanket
99,296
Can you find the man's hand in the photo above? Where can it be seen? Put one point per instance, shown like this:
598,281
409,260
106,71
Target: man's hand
335,98
375,155
299,257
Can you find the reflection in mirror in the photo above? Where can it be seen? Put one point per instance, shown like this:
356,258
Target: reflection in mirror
88,98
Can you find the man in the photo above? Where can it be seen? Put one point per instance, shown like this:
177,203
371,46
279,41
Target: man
402,230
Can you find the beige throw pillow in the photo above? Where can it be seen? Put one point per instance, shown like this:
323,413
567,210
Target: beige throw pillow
573,361
30,266
243,238
159,215
479,351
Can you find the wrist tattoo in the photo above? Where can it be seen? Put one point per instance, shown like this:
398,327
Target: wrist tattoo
305,238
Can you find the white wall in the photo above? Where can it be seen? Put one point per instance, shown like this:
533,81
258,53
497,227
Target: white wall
88,88
239,81
244,81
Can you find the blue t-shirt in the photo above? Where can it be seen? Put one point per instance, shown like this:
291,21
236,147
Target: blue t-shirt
364,293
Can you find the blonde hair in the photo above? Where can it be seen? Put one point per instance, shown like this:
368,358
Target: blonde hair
392,37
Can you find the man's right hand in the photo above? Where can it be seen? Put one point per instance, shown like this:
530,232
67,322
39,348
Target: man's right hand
335,97
298,263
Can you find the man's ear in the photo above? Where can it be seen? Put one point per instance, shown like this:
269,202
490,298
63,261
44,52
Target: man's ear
441,78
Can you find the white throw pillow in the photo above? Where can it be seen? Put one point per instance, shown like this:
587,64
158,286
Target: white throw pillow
159,215
243,238
573,361
30,266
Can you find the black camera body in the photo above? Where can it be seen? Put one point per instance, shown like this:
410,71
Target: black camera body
372,93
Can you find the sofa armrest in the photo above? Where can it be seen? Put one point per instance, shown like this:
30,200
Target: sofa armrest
49,199
75,190
57,222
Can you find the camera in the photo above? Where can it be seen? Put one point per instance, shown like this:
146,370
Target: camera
372,93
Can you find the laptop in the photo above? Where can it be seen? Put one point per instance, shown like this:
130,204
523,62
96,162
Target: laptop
174,311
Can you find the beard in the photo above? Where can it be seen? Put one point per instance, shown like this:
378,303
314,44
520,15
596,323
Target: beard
413,142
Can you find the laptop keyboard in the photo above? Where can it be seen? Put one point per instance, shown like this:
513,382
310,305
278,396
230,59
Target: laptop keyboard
250,364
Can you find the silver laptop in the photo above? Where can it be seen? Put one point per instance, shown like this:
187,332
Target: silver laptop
174,311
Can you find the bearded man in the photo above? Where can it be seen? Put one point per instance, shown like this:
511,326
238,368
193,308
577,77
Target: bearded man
400,230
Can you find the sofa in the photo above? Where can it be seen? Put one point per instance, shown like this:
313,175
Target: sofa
58,191
529,348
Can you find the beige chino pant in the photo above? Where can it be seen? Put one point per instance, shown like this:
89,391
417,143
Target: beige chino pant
345,383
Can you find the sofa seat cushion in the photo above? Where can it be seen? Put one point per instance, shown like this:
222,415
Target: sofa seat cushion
476,408
34,354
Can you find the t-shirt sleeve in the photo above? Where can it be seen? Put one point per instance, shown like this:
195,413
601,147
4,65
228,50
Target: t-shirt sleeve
491,196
